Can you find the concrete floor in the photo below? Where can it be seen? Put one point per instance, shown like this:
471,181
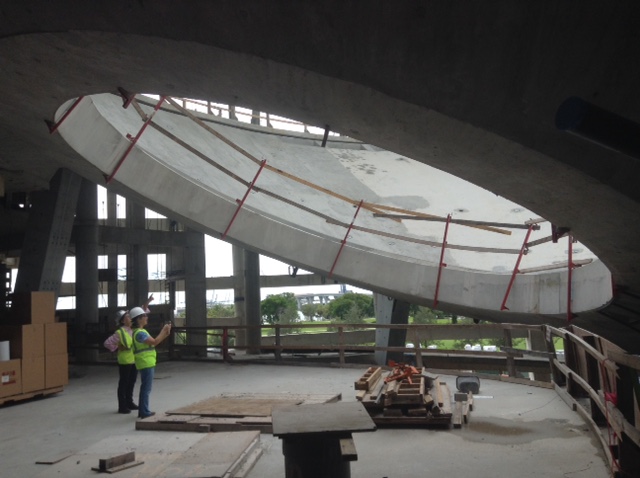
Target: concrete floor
514,429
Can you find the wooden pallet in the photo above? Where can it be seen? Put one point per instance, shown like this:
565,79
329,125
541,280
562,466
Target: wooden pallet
27,396
369,379
435,414
423,402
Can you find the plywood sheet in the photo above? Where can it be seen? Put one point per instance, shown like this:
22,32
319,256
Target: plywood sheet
249,404
178,455
239,407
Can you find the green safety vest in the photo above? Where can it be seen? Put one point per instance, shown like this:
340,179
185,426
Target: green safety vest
145,354
125,357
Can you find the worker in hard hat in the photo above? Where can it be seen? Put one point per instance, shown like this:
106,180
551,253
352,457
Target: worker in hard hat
122,342
144,352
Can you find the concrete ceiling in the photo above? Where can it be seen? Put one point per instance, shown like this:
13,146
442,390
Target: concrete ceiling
469,88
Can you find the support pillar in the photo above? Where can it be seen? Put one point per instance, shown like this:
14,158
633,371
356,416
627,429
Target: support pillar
252,299
390,311
239,293
86,324
196,292
49,229
112,258
137,265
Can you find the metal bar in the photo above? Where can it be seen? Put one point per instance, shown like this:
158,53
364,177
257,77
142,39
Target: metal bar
325,137
133,141
442,264
463,222
344,241
569,277
246,194
53,127
515,269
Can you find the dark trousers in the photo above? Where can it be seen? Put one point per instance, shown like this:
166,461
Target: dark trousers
128,375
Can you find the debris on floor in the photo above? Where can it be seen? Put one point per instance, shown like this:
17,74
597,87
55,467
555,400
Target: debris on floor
408,396
165,456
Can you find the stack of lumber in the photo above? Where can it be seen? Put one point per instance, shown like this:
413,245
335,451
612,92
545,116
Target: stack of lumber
405,396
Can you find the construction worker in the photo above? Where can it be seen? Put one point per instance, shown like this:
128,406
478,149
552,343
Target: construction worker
122,342
144,351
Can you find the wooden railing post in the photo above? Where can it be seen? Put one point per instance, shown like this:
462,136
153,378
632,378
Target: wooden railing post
278,350
511,360
341,343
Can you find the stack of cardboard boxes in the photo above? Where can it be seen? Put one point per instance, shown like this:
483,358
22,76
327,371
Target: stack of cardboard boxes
38,345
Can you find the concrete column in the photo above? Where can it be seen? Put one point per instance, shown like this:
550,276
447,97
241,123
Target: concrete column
137,266
48,234
390,311
5,288
112,260
239,293
86,230
252,299
196,292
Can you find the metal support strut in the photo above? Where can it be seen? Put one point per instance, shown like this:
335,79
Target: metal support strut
53,127
442,263
344,241
523,250
246,194
134,140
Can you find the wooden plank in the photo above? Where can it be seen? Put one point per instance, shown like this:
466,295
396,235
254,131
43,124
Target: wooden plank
105,464
457,415
466,412
55,458
443,421
348,449
446,397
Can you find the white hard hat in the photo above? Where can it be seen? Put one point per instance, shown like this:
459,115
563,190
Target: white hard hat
119,316
136,312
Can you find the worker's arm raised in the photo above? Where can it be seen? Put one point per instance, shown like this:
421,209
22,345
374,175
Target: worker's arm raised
164,333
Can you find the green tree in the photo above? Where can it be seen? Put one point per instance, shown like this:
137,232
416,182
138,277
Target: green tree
310,311
322,312
221,310
424,315
340,307
279,308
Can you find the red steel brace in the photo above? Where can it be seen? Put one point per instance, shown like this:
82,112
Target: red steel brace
515,269
53,127
133,141
569,277
241,202
127,97
442,264
344,241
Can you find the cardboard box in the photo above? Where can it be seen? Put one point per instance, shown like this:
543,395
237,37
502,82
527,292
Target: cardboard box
55,338
10,378
24,340
32,374
56,370
33,307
